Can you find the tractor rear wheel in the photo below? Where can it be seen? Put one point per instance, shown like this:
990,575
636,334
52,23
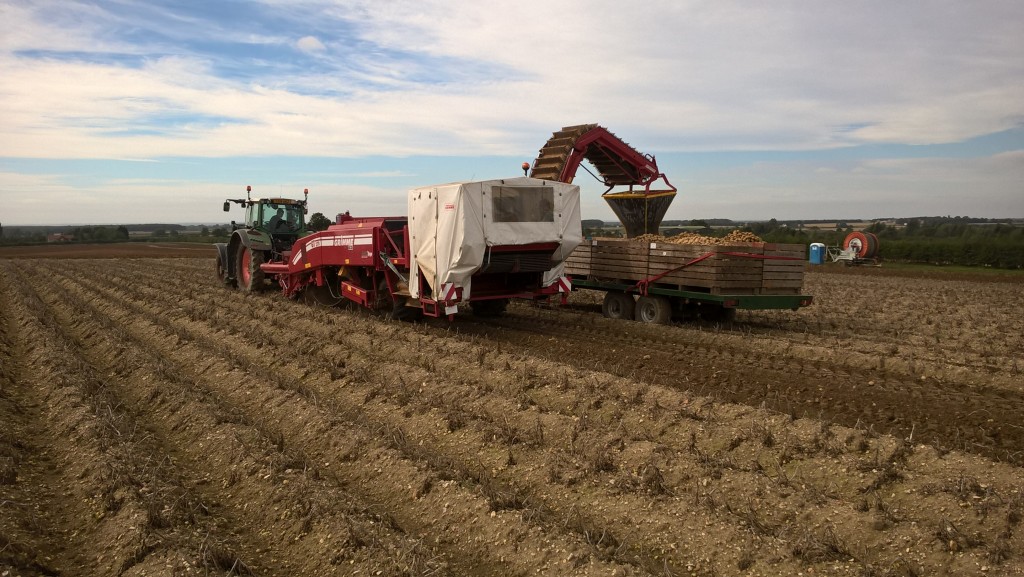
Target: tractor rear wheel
250,276
653,309
222,273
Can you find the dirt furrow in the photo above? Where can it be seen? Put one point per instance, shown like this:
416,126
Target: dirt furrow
723,459
984,422
374,468
97,494
504,423
248,481
503,497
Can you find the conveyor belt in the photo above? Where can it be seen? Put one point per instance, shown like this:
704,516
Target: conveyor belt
617,163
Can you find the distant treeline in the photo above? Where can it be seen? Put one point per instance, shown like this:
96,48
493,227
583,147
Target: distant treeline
27,235
931,240
941,240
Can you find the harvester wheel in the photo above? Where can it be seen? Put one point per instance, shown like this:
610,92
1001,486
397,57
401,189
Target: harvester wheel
321,296
653,309
401,312
618,305
250,276
489,308
222,273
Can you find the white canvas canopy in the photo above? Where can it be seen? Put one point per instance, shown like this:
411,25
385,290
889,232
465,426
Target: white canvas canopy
452,225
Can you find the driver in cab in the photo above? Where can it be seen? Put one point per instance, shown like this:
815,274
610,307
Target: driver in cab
278,223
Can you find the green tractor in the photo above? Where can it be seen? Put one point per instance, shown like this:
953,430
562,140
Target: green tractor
271,227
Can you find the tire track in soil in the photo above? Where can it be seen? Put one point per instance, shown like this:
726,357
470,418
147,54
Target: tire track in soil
975,418
257,477
87,477
711,456
468,471
592,529
499,492
943,414
593,532
478,562
25,526
175,514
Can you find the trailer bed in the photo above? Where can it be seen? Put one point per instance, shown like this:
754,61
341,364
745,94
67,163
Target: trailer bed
736,276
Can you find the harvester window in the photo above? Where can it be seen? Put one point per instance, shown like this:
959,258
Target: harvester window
523,204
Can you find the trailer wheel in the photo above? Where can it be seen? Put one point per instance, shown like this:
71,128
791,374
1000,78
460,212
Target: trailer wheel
618,305
222,273
653,309
717,313
250,276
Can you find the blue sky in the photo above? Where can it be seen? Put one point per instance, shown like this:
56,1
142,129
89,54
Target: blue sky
128,112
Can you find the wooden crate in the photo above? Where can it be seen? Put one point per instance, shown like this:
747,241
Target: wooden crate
725,269
785,273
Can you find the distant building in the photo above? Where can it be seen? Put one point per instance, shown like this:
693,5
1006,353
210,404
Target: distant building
59,237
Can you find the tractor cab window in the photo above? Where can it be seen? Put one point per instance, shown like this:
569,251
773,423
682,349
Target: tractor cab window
282,218
252,215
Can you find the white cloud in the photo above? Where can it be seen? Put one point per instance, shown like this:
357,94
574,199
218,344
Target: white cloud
117,79
51,199
990,186
310,44
687,76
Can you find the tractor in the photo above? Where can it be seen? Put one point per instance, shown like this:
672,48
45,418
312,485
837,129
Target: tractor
271,227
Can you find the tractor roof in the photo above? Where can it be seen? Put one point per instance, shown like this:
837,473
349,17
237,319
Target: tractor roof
275,201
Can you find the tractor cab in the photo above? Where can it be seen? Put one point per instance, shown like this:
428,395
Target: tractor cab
283,219
270,228
279,221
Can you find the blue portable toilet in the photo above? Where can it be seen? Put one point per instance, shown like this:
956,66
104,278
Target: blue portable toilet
817,253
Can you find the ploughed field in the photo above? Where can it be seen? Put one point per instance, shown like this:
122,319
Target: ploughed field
155,423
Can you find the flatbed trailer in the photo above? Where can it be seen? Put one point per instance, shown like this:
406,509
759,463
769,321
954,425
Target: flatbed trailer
657,282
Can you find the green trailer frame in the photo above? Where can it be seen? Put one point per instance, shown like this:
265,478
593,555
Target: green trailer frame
752,302
659,304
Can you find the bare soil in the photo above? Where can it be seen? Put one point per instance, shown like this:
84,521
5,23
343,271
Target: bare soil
110,250
155,423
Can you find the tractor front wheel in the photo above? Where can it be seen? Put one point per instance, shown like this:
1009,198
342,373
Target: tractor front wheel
250,276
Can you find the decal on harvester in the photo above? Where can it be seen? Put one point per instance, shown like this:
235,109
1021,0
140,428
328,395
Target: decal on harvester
343,240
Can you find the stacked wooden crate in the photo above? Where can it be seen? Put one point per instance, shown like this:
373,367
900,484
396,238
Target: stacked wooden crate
748,268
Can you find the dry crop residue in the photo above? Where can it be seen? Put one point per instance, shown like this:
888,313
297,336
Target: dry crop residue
165,427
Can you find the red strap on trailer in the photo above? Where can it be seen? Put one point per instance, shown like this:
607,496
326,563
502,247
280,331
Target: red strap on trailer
643,284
